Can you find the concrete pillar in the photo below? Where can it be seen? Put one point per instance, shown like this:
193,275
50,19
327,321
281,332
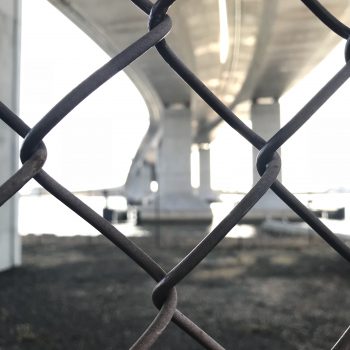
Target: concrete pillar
265,118
10,246
205,190
266,122
138,183
175,200
174,166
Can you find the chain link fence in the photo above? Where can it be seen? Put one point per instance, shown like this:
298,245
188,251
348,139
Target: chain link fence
33,155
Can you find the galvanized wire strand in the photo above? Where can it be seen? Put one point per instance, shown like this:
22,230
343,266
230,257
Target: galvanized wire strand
327,18
157,327
159,11
144,5
27,171
347,50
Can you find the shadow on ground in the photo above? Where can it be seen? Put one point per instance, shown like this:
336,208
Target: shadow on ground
266,293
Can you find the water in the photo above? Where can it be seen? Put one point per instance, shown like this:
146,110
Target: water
46,215
331,201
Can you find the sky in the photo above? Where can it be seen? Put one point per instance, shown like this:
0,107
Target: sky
93,147
318,154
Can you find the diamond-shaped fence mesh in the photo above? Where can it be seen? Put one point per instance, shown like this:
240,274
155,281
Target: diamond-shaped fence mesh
33,156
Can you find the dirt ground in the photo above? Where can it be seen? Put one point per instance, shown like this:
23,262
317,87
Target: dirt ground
262,293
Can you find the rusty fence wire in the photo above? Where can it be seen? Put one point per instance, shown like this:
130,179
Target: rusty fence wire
33,155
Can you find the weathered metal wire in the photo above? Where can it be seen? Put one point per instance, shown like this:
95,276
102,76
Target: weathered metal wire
327,18
33,156
344,341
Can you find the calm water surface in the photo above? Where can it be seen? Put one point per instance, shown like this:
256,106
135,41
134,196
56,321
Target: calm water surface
46,215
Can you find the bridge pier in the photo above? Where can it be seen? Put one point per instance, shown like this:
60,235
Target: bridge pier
205,190
265,118
10,245
138,183
175,200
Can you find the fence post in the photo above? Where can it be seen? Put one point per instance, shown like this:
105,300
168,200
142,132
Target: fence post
10,245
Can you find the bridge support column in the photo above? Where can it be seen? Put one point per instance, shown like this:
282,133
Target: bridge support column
175,200
205,190
138,184
265,118
10,245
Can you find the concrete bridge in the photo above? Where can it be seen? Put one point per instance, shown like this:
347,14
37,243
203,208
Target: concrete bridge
248,52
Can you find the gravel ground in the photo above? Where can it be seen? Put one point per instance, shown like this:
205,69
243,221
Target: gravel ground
262,293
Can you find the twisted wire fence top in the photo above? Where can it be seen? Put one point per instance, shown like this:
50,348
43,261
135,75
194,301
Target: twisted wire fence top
33,156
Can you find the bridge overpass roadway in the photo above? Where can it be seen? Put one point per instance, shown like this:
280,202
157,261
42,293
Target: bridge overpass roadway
243,50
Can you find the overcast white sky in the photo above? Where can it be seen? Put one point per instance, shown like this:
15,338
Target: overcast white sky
93,147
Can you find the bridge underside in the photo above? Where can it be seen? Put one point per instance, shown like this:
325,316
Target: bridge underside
242,50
